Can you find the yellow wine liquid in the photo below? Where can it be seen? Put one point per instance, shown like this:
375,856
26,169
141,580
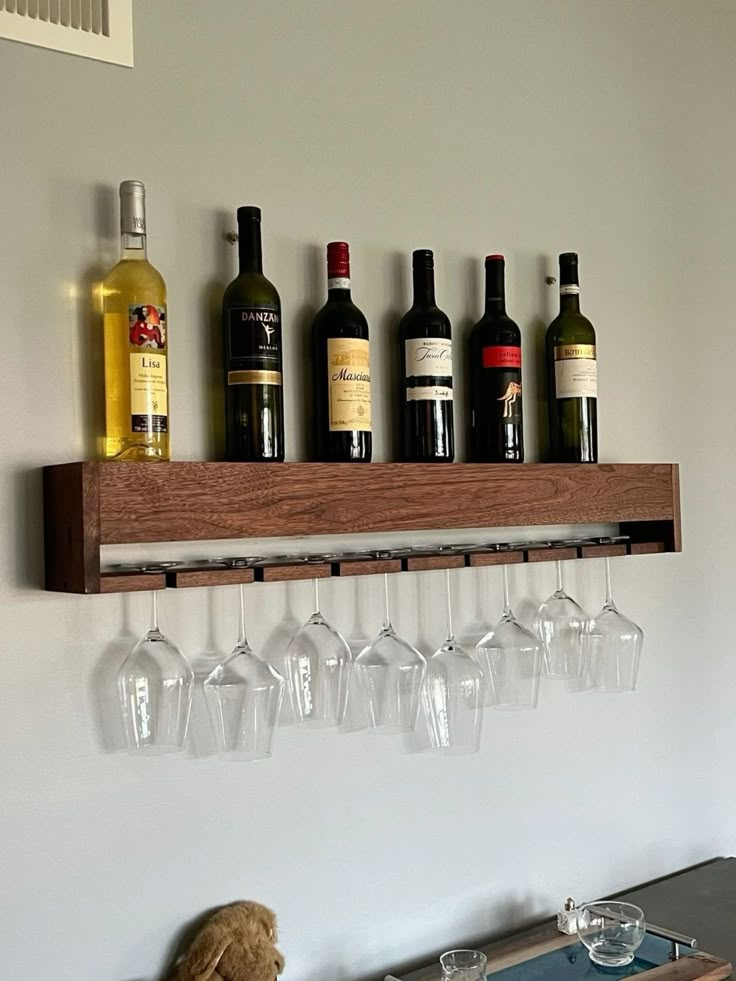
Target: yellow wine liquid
136,363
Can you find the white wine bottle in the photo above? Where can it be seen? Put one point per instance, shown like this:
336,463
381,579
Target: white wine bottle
136,343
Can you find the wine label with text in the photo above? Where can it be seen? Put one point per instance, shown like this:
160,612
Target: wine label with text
501,356
149,403
147,326
428,369
349,384
576,371
253,340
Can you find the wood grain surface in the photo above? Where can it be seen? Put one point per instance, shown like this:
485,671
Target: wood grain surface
72,528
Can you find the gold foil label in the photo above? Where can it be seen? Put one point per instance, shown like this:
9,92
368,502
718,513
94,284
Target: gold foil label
254,376
349,384
148,389
566,352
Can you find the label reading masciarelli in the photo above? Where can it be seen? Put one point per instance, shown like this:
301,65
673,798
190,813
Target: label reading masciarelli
254,346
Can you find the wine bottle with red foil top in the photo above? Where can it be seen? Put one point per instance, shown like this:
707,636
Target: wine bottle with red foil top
496,398
342,369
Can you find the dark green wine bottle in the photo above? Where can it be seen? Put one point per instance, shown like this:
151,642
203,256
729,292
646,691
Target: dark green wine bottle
572,374
251,321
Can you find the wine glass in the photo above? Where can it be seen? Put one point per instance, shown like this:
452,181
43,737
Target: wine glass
560,623
612,647
511,659
155,685
453,694
243,696
463,965
318,662
391,674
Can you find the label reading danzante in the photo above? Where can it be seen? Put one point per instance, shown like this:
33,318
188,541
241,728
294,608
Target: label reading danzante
349,384
149,403
254,346
576,371
428,369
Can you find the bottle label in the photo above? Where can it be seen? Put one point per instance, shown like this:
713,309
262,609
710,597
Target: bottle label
254,346
149,403
349,384
338,283
576,371
428,362
501,356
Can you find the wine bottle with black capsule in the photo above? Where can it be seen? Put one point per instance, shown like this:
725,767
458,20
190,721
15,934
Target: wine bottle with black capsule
572,374
251,320
341,363
425,350
496,396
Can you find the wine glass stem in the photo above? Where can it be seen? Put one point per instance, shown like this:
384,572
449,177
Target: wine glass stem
315,583
241,616
609,595
448,602
560,586
154,611
506,603
386,610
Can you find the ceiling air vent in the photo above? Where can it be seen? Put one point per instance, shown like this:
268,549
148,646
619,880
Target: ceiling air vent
101,29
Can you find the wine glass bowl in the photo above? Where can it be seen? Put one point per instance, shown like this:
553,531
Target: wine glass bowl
511,658
391,674
463,965
611,931
612,649
318,664
560,624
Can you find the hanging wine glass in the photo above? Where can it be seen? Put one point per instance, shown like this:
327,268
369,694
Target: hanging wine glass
318,662
453,694
559,624
511,659
612,647
243,696
390,673
155,684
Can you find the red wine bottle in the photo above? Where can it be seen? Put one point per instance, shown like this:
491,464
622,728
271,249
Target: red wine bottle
425,340
497,430
342,369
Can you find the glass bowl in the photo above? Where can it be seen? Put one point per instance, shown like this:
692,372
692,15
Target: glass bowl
611,931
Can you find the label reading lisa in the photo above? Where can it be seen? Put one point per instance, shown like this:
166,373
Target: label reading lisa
501,356
576,371
428,369
149,403
349,384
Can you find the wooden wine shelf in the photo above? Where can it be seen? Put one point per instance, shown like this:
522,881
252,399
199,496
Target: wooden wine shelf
87,505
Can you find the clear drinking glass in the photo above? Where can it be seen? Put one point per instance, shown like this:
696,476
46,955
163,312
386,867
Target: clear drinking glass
390,674
511,659
243,696
453,694
463,965
611,931
612,647
155,685
560,623
318,663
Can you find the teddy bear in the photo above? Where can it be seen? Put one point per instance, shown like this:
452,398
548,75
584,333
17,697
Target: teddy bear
236,943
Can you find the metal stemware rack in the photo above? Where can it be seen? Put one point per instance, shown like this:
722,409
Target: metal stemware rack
88,505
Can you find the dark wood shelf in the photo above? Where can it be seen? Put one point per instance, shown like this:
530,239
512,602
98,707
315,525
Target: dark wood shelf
88,505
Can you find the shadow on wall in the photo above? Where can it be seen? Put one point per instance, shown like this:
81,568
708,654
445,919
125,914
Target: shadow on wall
211,352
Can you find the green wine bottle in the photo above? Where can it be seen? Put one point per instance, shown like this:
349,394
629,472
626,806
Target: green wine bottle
572,375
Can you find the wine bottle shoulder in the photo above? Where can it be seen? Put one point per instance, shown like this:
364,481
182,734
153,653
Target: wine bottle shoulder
424,321
496,328
340,318
571,327
134,272
251,289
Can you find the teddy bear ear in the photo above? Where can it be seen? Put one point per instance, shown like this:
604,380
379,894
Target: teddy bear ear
205,954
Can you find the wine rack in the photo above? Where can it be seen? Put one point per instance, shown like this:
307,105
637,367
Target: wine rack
87,505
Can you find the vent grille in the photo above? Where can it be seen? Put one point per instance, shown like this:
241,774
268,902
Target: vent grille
101,29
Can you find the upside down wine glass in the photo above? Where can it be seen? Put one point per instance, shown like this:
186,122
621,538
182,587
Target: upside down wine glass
453,694
243,696
390,674
318,662
155,684
560,623
612,647
511,659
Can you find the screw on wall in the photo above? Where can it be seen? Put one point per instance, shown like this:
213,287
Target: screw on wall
550,280
231,237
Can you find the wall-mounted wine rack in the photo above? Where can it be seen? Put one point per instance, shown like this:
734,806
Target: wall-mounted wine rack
87,505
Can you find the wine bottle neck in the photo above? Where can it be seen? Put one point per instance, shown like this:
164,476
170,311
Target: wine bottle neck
495,288
132,220
423,286
569,299
250,256
133,246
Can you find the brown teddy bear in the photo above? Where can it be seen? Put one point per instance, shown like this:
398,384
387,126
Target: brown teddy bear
236,943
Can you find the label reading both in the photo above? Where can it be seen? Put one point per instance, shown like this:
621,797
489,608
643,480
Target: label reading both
149,403
576,371
428,369
349,384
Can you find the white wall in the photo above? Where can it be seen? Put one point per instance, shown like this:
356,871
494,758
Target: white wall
472,126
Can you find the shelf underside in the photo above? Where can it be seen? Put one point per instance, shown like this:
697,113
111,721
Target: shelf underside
88,505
